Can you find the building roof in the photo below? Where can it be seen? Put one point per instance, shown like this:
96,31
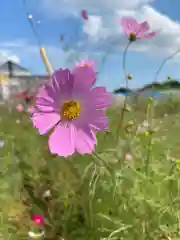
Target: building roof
18,71
15,69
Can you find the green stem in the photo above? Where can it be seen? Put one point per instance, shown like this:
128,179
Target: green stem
74,170
125,101
101,160
110,170
164,62
148,156
149,117
152,106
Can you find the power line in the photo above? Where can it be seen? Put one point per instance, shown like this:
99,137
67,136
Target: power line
33,27
31,22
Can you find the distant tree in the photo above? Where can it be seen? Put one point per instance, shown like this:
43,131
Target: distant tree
172,84
121,90
154,86
150,86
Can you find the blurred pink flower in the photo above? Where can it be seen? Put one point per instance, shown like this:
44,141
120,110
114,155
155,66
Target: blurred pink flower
31,109
20,108
74,110
84,14
24,95
136,31
128,156
38,219
83,63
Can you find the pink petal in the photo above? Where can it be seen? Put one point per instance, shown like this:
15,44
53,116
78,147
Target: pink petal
45,121
92,113
61,141
146,36
92,117
45,93
129,25
85,140
45,106
51,95
143,27
100,97
84,78
98,121
62,83
45,100
31,110
86,63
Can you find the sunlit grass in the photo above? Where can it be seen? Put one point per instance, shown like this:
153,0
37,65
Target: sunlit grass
90,197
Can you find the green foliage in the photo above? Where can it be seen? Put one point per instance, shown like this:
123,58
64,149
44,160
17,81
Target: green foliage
169,84
100,196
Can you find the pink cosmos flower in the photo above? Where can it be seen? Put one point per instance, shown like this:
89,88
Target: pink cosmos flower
74,110
84,14
30,109
19,107
128,157
136,31
38,219
88,64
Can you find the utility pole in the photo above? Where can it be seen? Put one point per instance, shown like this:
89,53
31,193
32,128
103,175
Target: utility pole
10,69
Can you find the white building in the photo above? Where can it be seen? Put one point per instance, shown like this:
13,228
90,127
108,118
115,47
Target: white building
14,79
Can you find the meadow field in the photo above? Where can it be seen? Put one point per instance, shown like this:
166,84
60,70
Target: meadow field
128,189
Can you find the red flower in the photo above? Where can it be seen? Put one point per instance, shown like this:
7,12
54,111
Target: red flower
24,95
20,108
84,14
38,219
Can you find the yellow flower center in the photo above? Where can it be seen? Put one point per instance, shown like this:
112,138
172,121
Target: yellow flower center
132,37
85,65
70,110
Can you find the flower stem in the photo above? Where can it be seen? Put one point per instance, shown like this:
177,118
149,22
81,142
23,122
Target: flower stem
164,62
148,156
124,62
152,107
102,161
125,100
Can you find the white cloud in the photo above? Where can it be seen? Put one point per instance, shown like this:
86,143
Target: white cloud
167,40
22,49
55,7
103,26
6,55
57,57
93,25
14,58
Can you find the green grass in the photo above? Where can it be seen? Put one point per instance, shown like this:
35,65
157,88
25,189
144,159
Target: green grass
99,196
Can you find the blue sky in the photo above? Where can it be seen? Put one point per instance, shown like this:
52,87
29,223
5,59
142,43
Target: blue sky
17,38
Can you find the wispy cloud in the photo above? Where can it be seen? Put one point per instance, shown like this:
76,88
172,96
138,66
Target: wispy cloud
103,27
